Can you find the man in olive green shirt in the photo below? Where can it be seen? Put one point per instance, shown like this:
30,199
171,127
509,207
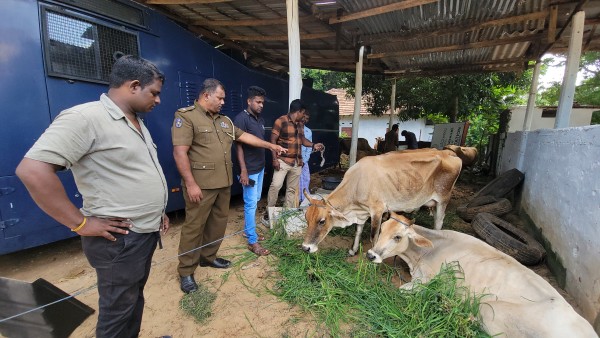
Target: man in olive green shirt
202,140
115,166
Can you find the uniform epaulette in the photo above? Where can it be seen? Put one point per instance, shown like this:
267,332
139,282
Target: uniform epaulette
184,109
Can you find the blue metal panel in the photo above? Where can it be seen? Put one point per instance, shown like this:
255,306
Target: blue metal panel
23,99
24,224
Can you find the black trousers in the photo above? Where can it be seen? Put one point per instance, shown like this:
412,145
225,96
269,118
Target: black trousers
122,268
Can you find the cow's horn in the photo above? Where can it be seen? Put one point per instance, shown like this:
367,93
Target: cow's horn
310,199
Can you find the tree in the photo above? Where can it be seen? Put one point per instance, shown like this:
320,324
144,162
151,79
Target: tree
324,79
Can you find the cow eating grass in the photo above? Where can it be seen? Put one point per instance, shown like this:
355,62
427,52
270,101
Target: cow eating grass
399,181
516,303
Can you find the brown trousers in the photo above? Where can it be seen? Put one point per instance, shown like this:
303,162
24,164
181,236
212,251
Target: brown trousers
205,222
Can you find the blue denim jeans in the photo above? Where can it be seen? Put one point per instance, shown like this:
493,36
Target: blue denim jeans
251,198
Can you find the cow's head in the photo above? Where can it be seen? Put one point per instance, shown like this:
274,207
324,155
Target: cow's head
321,217
396,234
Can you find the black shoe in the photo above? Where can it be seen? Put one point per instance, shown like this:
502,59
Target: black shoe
219,263
188,284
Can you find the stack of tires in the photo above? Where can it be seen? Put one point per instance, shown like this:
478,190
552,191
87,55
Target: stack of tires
488,212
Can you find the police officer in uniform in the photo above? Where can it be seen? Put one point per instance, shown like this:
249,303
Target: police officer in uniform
202,140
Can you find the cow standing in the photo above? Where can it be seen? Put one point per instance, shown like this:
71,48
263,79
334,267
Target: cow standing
516,301
398,181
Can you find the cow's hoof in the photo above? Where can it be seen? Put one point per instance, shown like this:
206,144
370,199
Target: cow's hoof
351,253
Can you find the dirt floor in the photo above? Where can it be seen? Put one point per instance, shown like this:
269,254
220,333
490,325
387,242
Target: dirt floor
243,307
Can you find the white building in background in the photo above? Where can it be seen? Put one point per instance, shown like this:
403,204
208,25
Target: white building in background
543,117
372,126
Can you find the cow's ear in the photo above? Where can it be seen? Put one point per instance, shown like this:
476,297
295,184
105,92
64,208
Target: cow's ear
335,213
421,241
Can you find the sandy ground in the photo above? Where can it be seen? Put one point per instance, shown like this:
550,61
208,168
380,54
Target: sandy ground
243,308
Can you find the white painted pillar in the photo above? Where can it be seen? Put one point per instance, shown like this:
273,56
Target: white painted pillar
392,104
357,100
294,50
531,99
567,90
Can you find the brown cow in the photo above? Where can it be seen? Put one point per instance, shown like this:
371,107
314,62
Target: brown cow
362,144
468,155
516,302
397,181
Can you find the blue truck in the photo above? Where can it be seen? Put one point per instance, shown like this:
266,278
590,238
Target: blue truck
56,54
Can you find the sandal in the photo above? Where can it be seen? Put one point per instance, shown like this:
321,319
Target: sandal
260,237
258,249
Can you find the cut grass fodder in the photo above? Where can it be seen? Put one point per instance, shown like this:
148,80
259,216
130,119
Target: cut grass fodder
198,304
359,299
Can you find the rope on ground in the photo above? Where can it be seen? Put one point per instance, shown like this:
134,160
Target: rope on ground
80,292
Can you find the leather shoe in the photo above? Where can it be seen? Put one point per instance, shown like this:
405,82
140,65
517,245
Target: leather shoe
188,284
219,263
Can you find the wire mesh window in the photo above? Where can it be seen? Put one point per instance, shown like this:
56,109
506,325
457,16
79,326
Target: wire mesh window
77,48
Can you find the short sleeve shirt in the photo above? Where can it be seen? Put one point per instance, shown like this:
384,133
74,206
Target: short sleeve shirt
209,137
254,157
115,167
289,136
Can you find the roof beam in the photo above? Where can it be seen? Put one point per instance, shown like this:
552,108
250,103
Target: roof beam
380,10
496,63
456,71
483,44
312,36
459,29
184,2
247,23
552,23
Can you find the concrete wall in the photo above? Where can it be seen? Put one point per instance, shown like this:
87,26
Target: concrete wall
372,126
579,117
561,195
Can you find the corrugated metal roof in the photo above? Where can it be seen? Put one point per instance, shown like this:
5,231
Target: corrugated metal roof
429,37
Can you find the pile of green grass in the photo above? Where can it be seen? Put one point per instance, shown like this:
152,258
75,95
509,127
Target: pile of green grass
198,304
359,300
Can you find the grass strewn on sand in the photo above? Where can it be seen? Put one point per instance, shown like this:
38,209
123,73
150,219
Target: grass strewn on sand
359,300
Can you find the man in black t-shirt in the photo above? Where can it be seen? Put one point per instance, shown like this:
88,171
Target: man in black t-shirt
252,165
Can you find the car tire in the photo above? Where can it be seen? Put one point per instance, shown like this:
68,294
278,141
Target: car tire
509,239
502,185
487,204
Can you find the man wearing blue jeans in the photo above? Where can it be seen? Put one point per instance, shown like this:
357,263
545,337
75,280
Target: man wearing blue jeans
252,165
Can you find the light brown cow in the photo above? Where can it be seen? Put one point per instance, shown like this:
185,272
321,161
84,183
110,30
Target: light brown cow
399,181
468,155
516,303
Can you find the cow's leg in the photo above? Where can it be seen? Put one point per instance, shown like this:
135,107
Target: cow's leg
440,212
354,250
376,215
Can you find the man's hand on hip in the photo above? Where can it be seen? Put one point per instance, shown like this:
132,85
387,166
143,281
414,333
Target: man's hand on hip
104,227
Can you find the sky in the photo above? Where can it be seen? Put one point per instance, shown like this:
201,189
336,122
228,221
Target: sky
556,74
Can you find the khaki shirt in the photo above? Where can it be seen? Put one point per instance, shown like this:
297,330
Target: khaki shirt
210,137
115,166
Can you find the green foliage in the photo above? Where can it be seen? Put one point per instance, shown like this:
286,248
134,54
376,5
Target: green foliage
198,304
596,117
586,93
324,79
359,299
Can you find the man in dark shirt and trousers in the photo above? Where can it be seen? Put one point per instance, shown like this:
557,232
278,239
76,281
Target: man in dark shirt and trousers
391,139
288,132
411,139
252,165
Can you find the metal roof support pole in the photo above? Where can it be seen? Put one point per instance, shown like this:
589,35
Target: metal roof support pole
531,99
392,104
567,90
357,101
294,50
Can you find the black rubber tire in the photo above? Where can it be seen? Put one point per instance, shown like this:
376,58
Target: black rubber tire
503,184
500,207
509,239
